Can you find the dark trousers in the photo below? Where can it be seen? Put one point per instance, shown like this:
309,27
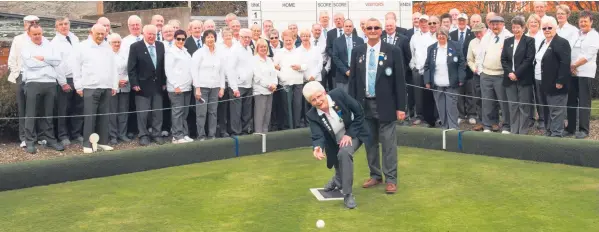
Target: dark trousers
417,80
579,95
540,100
69,104
277,112
96,101
241,112
146,103
21,98
410,93
466,105
223,126
292,95
40,98
119,103
166,114
132,127
385,134
474,86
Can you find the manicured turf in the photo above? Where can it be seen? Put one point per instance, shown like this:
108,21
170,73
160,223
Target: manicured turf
438,191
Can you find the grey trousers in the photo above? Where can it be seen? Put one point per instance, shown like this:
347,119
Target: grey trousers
474,86
21,98
206,113
262,111
154,103
179,112
492,88
119,103
540,99
343,86
555,114
295,93
579,95
240,113
447,106
40,98
344,174
96,101
418,94
383,132
519,113
68,104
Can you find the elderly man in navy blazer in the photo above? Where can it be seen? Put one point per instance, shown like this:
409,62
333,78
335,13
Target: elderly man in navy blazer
342,49
337,127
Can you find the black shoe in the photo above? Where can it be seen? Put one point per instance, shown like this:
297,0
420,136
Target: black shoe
330,186
31,149
581,135
144,141
567,134
349,201
125,139
113,141
158,140
56,146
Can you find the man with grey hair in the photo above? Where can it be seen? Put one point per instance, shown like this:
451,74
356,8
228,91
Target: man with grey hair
454,13
338,129
175,23
323,20
15,65
488,62
540,8
317,41
342,50
134,25
235,26
148,80
240,83
168,33
415,25
267,25
40,59
229,18
158,21
194,41
96,80
68,103
392,15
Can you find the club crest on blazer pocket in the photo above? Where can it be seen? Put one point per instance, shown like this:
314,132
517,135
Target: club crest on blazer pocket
388,71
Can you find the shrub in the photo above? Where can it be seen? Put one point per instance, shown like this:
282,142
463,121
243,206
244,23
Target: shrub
8,106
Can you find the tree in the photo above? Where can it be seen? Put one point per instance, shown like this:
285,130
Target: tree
120,6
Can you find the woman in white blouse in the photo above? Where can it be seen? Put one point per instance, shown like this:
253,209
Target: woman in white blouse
585,45
119,103
264,84
226,47
565,29
533,24
208,73
177,63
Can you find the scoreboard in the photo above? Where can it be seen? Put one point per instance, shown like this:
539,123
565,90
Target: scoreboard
305,13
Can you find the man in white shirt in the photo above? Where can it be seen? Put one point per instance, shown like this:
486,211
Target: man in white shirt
15,65
418,46
267,25
319,42
241,73
134,25
168,34
235,25
158,21
68,103
324,20
540,8
488,62
175,23
96,80
40,59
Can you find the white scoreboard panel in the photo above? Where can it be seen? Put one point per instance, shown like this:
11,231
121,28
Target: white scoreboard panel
305,13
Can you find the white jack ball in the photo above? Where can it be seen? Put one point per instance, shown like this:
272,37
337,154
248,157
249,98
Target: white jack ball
320,224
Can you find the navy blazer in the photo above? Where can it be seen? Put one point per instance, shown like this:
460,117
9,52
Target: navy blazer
523,59
555,66
390,83
455,64
191,45
403,43
353,118
141,70
468,36
340,56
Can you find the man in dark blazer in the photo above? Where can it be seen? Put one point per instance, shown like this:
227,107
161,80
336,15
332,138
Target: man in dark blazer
332,35
377,81
463,36
146,74
518,76
415,25
401,30
194,41
341,54
337,126
395,38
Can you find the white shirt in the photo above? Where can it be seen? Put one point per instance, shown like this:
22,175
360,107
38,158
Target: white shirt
240,69
168,44
120,60
62,45
418,46
441,70
128,40
585,46
285,59
265,75
322,45
539,37
94,66
568,32
335,121
227,52
40,71
516,42
15,63
377,50
207,68
177,66
313,59
539,60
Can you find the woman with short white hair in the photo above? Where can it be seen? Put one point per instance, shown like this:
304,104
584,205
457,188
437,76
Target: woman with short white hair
552,67
119,103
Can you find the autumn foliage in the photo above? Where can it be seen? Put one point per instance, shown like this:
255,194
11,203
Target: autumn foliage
478,7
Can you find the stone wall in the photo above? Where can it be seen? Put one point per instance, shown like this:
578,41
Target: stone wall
71,9
183,14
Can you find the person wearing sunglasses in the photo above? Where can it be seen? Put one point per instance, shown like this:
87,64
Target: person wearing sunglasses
552,67
177,66
377,82
418,48
585,44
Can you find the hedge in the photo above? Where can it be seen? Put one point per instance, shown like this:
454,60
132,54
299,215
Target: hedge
8,109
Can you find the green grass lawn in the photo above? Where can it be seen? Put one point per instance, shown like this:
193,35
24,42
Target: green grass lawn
438,191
